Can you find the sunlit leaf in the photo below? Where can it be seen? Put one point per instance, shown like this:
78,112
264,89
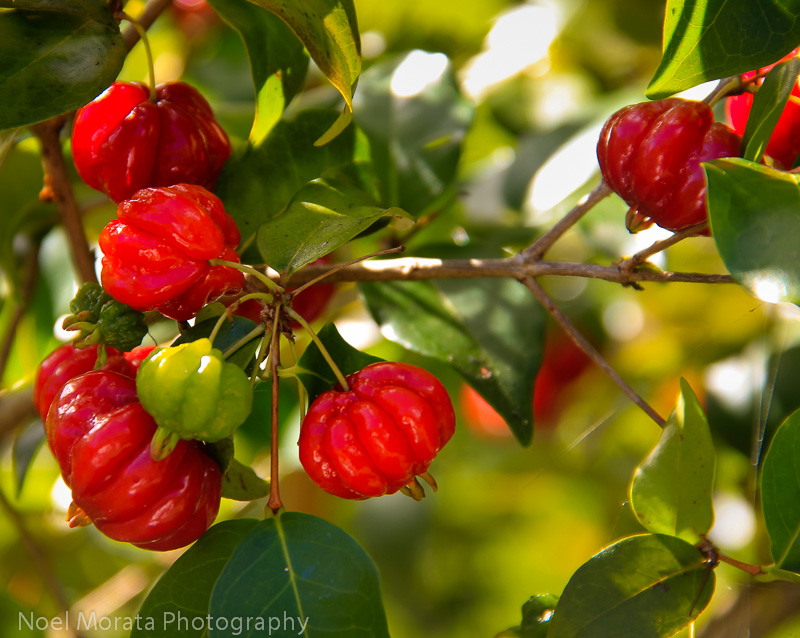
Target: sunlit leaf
416,120
185,589
755,219
278,61
710,39
490,330
671,489
649,586
315,373
780,494
304,569
57,55
324,214
259,181
329,31
768,105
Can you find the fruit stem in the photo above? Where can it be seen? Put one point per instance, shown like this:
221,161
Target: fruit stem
248,270
274,503
724,86
238,344
308,284
336,371
232,308
151,69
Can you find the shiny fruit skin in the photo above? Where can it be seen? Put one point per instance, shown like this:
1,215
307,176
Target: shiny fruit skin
123,141
155,254
784,143
376,437
650,155
100,436
67,362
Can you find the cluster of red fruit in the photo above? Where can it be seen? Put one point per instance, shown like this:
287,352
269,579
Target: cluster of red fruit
650,154
157,155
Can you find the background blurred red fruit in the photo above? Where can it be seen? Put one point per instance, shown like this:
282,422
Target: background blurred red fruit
784,144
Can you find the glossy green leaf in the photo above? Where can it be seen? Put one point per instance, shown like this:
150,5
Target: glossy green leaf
185,589
314,371
490,330
329,31
57,55
416,120
241,483
230,333
780,494
710,39
325,214
278,61
767,108
671,490
755,220
646,586
26,445
260,180
299,568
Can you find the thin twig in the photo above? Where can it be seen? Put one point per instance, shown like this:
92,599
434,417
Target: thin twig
418,269
632,262
58,188
28,286
538,248
589,349
152,10
275,502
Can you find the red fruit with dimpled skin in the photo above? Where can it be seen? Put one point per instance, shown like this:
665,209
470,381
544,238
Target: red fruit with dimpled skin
123,142
155,254
100,436
67,362
376,437
784,143
650,155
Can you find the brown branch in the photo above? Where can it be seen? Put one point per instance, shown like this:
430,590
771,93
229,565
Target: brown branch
631,263
589,349
418,269
58,188
28,287
152,10
538,248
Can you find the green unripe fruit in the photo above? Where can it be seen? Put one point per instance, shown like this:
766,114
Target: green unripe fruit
192,393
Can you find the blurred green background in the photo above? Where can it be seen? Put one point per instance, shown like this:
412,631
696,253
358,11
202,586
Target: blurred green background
508,522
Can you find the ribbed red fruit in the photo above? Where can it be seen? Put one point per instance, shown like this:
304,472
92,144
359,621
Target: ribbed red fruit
100,436
376,437
650,155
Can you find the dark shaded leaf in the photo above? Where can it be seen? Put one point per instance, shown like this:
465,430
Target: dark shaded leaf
299,568
186,587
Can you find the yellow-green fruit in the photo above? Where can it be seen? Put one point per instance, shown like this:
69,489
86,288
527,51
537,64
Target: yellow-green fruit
193,393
